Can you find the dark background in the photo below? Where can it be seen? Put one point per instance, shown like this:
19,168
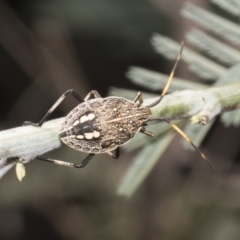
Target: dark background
47,47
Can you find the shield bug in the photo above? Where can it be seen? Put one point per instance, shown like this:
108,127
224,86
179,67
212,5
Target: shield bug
101,125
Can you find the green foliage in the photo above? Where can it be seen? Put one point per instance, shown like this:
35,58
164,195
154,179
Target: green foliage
204,67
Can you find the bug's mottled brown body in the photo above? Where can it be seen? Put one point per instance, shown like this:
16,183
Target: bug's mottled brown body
101,125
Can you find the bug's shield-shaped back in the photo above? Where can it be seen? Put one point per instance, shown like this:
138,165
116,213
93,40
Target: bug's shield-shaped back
102,125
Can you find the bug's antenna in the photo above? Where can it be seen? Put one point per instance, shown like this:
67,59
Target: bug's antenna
169,79
177,129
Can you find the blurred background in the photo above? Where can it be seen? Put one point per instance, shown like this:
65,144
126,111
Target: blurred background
47,47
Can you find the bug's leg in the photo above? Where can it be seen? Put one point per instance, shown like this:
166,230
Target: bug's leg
92,94
63,163
138,97
116,154
177,129
145,131
85,161
55,105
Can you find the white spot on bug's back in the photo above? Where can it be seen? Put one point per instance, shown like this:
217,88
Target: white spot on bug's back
91,116
96,134
88,136
80,137
83,119
76,123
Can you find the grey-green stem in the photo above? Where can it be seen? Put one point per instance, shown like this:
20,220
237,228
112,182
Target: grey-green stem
201,106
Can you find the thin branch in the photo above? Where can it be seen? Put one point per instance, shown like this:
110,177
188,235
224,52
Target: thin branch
26,142
202,106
